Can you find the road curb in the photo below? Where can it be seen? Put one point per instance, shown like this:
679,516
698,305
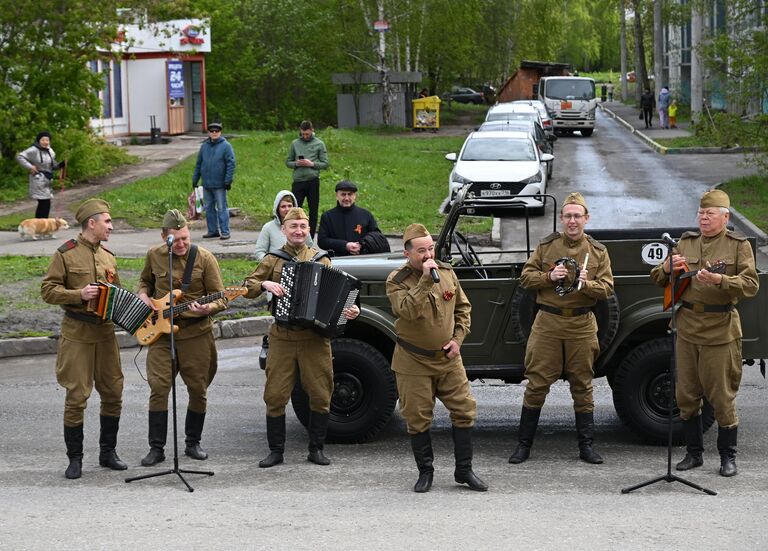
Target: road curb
224,329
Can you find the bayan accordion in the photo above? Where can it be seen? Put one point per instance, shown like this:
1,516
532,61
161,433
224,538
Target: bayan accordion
315,297
120,306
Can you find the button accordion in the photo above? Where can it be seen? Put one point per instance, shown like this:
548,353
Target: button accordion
120,306
315,297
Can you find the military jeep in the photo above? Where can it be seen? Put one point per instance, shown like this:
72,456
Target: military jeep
635,343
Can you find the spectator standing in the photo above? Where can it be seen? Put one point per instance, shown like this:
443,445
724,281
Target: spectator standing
663,104
307,157
673,114
271,236
216,166
39,160
647,101
610,91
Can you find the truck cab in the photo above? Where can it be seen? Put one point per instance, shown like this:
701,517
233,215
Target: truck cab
571,101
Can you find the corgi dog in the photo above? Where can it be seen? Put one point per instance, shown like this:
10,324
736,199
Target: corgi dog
41,227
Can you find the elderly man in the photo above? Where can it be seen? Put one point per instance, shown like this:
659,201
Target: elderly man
563,340
88,353
708,345
344,228
216,166
433,318
196,272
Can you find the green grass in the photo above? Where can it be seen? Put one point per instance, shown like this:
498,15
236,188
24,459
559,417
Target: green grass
402,178
750,197
462,113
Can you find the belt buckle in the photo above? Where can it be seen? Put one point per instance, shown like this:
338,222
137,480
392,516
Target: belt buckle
567,312
698,308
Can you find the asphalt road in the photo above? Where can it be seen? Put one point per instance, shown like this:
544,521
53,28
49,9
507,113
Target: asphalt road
364,498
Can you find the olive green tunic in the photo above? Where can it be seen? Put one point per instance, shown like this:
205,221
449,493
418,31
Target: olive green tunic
429,315
293,351
564,345
87,352
195,345
708,345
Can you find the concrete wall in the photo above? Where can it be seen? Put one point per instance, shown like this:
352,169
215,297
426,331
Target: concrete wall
145,81
370,110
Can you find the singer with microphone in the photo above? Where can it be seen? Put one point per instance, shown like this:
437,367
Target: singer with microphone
433,319
196,273
563,340
722,271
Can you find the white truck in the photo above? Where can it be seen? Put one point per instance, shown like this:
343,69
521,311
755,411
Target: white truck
571,102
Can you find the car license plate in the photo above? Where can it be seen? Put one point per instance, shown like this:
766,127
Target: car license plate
495,193
565,105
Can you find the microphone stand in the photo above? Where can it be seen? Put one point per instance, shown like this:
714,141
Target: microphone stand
672,371
174,372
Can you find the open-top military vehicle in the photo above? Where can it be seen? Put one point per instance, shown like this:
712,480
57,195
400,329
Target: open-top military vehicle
636,347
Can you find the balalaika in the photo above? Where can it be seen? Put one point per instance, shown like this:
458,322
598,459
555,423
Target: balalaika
315,297
120,306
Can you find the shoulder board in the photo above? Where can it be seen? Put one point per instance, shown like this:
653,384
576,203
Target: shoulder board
106,249
402,274
690,235
318,255
280,253
595,243
737,235
551,237
443,265
68,245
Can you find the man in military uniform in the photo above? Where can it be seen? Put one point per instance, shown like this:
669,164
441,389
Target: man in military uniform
88,353
708,344
195,346
433,318
563,339
294,350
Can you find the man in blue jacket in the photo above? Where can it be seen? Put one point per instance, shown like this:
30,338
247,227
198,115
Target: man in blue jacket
216,166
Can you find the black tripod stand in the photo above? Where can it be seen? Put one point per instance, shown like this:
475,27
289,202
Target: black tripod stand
672,370
174,372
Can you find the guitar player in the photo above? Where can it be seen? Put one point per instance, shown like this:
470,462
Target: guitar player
708,345
196,272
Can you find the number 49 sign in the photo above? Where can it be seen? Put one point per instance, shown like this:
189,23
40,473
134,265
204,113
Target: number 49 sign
653,253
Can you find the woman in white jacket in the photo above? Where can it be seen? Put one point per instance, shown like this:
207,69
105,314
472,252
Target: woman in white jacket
271,237
40,161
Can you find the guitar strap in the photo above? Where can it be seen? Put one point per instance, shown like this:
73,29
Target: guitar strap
187,277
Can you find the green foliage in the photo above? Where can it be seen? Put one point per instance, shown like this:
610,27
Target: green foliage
750,196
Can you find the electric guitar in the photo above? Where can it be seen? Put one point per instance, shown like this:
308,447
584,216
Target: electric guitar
159,322
683,277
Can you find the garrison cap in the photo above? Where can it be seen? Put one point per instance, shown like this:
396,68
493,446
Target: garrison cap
346,185
296,213
414,231
575,198
89,208
715,198
174,220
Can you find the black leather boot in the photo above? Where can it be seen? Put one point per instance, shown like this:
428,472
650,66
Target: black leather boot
421,444
193,429
529,420
318,427
158,430
108,442
462,450
694,444
276,441
726,445
585,430
73,438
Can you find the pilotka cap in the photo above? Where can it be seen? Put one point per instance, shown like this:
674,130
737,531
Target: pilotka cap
296,213
415,231
715,198
575,198
174,220
89,208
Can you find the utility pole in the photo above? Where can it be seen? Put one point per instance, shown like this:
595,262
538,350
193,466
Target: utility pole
697,79
623,44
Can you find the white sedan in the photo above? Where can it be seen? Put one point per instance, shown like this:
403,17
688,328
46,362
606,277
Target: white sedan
500,165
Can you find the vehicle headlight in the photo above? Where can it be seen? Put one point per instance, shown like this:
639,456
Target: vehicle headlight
535,179
461,180
591,114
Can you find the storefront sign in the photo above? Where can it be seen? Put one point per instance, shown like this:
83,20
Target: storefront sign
175,79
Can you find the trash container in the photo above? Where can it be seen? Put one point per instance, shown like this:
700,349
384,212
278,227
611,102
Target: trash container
426,113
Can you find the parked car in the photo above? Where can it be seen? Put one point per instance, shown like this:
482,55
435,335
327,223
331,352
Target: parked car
546,119
513,111
465,95
502,164
544,141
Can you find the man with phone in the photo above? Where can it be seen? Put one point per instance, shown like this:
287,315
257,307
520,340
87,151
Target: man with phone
307,157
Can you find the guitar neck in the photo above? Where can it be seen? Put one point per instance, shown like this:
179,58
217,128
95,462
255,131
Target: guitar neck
184,306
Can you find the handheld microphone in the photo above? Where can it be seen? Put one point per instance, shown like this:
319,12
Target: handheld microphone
169,241
435,275
666,238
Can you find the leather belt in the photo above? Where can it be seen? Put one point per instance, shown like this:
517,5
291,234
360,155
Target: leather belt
289,326
435,354
186,322
699,308
565,312
87,318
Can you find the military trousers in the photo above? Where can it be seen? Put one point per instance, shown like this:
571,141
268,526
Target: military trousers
81,365
711,372
198,363
547,359
303,354
418,392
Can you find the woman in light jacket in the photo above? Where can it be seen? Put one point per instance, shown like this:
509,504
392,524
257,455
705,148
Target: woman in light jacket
39,160
271,237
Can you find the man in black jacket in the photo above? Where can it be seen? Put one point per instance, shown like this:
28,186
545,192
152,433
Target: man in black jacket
343,228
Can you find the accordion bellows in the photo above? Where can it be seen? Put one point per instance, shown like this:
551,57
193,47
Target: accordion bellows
315,297
120,306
